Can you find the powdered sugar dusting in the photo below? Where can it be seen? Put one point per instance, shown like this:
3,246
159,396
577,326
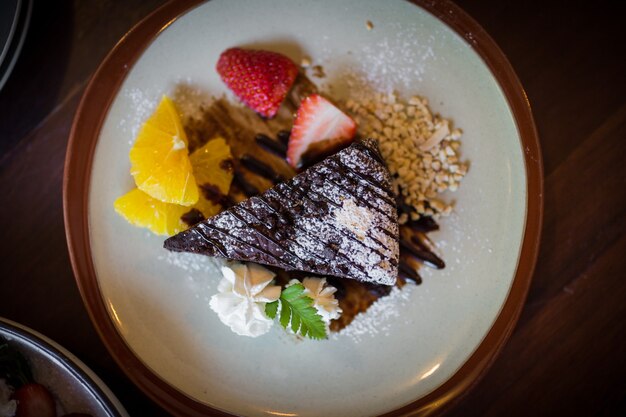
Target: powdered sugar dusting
188,97
380,317
201,271
396,62
190,262
355,218
393,62
143,105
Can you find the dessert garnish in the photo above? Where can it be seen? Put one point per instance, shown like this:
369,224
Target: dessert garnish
141,210
421,150
247,302
165,211
260,79
323,296
160,159
297,311
337,218
243,293
213,168
319,129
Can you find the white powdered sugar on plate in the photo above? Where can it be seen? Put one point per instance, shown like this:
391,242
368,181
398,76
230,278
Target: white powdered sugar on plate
143,106
202,272
189,100
380,316
395,62
390,63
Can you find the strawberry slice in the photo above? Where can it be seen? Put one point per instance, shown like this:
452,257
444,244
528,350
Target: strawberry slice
261,79
319,129
34,400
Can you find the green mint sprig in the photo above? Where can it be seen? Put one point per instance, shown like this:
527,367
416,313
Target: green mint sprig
297,309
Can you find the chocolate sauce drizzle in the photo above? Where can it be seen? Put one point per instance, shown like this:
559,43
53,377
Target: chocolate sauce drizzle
242,184
213,194
261,168
277,147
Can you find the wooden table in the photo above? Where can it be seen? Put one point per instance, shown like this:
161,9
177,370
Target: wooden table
568,351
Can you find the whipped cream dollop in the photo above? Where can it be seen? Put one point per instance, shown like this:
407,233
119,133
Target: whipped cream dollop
323,295
243,292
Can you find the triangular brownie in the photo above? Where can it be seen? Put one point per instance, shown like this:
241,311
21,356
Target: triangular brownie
336,218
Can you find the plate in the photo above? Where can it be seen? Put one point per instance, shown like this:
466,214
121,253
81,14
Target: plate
151,308
75,386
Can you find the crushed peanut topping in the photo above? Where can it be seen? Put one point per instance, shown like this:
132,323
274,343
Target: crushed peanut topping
421,150
305,62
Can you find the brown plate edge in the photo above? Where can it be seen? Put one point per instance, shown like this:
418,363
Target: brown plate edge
88,120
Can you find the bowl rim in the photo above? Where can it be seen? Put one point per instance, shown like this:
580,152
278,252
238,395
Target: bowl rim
67,360
89,118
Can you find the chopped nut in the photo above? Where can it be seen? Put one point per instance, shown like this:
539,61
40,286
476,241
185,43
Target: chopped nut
415,101
421,150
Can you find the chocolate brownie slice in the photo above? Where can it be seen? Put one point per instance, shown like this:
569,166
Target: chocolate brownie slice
337,218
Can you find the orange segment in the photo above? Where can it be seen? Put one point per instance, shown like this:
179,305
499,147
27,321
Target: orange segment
139,209
159,158
212,166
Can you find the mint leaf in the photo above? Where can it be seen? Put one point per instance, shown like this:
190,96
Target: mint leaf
297,309
285,313
271,309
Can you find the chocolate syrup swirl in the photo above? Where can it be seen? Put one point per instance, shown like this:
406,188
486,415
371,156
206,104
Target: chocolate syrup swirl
277,147
214,194
241,183
261,168
192,217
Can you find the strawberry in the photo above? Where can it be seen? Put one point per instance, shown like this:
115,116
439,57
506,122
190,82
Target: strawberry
261,79
319,129
34,400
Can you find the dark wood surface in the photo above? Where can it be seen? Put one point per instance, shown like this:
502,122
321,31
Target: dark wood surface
567,354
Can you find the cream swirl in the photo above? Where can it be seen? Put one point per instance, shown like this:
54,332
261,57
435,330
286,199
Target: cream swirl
323,295
243,292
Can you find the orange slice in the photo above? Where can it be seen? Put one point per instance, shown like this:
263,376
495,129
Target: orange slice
159,158
144,211
212,167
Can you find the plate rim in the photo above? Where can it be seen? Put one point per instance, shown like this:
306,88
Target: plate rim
69,361
87,124
18,38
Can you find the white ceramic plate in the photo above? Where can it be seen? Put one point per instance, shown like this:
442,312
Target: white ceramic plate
75,387
159,302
